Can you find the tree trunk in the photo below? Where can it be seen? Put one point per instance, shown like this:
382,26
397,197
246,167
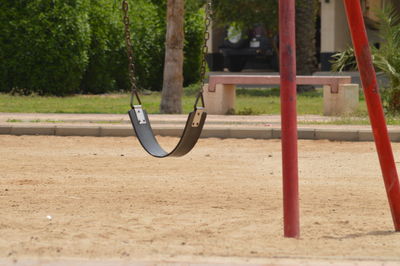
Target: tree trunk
306,19
172,91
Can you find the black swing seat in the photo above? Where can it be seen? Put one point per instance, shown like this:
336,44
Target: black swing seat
144,132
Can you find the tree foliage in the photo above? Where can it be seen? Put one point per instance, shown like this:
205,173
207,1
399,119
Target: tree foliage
61,47
194,39
43,45
246,13
385,59
106,49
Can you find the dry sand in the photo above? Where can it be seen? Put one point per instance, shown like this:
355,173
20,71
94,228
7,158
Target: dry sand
105,198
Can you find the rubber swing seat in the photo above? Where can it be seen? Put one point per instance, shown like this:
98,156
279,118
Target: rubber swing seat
144,132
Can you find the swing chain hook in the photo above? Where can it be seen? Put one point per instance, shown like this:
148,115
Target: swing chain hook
129,52
203,69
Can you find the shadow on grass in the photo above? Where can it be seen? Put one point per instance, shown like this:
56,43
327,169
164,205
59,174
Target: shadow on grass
273,92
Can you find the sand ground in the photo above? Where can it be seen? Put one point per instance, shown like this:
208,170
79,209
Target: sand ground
105,198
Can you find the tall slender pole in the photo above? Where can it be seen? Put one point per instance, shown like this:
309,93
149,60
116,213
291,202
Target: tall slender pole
287,54
375,110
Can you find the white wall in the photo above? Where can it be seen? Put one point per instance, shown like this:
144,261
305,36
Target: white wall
335,34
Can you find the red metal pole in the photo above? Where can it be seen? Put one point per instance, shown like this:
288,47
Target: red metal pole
375,110
287,55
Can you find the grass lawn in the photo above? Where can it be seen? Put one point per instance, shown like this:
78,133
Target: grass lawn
247,103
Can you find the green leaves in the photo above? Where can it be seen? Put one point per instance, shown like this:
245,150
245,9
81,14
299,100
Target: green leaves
62,47
345,60
246,13
46,45
385,59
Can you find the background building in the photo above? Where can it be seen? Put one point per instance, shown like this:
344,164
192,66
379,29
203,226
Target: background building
332,30
335,34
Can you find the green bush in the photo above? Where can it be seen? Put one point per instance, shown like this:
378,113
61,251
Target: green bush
149,28
108,64
3,71
148,33
385,59
106,53
64,47
391,101
44,45
194,29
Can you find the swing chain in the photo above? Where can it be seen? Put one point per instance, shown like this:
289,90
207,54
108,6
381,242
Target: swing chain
207,23
129,52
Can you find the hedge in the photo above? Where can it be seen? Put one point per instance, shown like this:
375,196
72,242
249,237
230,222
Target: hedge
44,45
106,47
62,47
194,29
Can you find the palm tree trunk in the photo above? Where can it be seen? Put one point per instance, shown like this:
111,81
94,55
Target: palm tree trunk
306,17
172,91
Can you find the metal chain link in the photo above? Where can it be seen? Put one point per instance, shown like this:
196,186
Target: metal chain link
207,23
129,52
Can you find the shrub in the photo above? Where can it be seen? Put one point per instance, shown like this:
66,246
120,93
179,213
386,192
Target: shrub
192,90
148,33
63,47
108,64
44,45
150,47
385,59
148,26
194,29
106,51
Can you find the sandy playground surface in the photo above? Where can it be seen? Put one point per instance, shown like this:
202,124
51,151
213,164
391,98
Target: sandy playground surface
105,198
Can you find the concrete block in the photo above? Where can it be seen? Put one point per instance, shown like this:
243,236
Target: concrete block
252,133
268,133
222,101
344,102
394,135
5,130
116,131
365,135
336,134
168,131
77,131
276,133
32,130
222,133
306,133
301,133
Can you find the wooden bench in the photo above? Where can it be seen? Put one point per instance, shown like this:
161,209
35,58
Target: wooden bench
340,95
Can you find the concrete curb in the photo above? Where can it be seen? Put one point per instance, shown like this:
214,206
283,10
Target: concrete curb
214,132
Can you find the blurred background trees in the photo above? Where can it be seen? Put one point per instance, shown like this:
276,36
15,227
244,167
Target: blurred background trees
77,46
43,45
386,58
61,47
247,13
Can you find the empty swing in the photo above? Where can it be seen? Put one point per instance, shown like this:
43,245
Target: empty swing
138,116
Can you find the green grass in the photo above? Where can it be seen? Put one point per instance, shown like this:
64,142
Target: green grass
246,103
351,121
14,120
271,105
